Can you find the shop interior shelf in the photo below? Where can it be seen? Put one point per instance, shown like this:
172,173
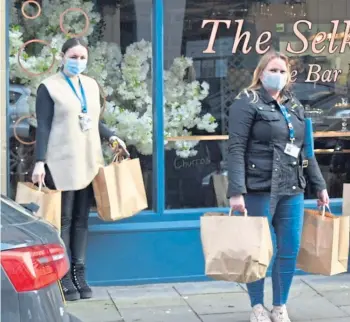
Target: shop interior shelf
319,134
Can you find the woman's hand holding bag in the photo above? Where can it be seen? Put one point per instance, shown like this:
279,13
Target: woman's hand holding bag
237,203
39,173
323,198
119,148
115,142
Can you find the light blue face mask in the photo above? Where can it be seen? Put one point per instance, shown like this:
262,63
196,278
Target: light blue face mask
273,81
75,66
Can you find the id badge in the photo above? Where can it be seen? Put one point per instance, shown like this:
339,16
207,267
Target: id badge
292,150
85,122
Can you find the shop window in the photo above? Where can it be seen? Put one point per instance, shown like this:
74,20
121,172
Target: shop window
119,38
321,82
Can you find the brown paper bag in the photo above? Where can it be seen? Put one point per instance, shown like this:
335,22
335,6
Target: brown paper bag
119,190
220,186
346,199
325,243
236,248
48,200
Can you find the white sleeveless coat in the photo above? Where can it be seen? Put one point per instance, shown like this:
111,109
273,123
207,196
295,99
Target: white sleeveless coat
73,156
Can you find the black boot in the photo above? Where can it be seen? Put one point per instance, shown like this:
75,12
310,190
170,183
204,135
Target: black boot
69,290
78,275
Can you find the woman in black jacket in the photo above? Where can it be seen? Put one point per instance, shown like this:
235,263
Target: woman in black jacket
266,165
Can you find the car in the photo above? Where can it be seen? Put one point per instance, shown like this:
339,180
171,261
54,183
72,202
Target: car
21,135
325,103
33,260
19,108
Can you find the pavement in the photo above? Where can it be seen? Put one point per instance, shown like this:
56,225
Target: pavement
312,298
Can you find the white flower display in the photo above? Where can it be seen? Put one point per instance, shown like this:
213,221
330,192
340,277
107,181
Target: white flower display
126,80
131,116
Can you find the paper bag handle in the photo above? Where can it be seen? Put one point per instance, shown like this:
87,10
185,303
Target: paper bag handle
119,155
324,207
245,212
41,184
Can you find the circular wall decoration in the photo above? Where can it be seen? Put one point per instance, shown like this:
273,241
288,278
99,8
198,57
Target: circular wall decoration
15,130
24,46
34,3
87,22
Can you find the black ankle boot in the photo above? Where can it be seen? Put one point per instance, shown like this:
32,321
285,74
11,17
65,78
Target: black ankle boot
78,275
69,290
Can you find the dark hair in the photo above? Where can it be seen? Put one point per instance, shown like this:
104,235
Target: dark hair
72,42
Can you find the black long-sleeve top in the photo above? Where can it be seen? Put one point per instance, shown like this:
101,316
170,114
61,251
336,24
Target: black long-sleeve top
44,114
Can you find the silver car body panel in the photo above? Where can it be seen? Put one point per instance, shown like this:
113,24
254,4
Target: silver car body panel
19,228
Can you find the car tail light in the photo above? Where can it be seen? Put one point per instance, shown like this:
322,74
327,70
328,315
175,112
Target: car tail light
32,268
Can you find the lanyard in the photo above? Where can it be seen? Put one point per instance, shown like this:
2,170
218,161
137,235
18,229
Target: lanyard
83,97
289,123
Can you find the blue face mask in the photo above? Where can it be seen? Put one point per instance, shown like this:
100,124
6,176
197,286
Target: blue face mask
75,66
273,81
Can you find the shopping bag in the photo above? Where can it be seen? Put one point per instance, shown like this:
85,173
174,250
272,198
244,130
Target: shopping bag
236,248
220,186
325,243
119,189
49,201
346,199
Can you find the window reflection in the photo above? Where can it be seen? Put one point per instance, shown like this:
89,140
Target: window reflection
118,31
326,101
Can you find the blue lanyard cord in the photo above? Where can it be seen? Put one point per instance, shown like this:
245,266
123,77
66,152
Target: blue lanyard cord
289,123
83,97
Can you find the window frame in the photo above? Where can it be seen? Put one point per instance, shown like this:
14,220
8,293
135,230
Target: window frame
158,184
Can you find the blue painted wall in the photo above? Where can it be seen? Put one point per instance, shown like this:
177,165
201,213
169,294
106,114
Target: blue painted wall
151,248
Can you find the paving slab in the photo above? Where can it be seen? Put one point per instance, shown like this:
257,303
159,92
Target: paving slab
226,317
211,287
151,296
326,320
346,309
338,298
328,283
159,290
95,311
99,294
219,303
159,314
313,306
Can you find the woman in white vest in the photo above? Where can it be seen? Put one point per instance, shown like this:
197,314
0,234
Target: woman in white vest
69,153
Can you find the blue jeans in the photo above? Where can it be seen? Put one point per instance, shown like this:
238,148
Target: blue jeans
286,225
